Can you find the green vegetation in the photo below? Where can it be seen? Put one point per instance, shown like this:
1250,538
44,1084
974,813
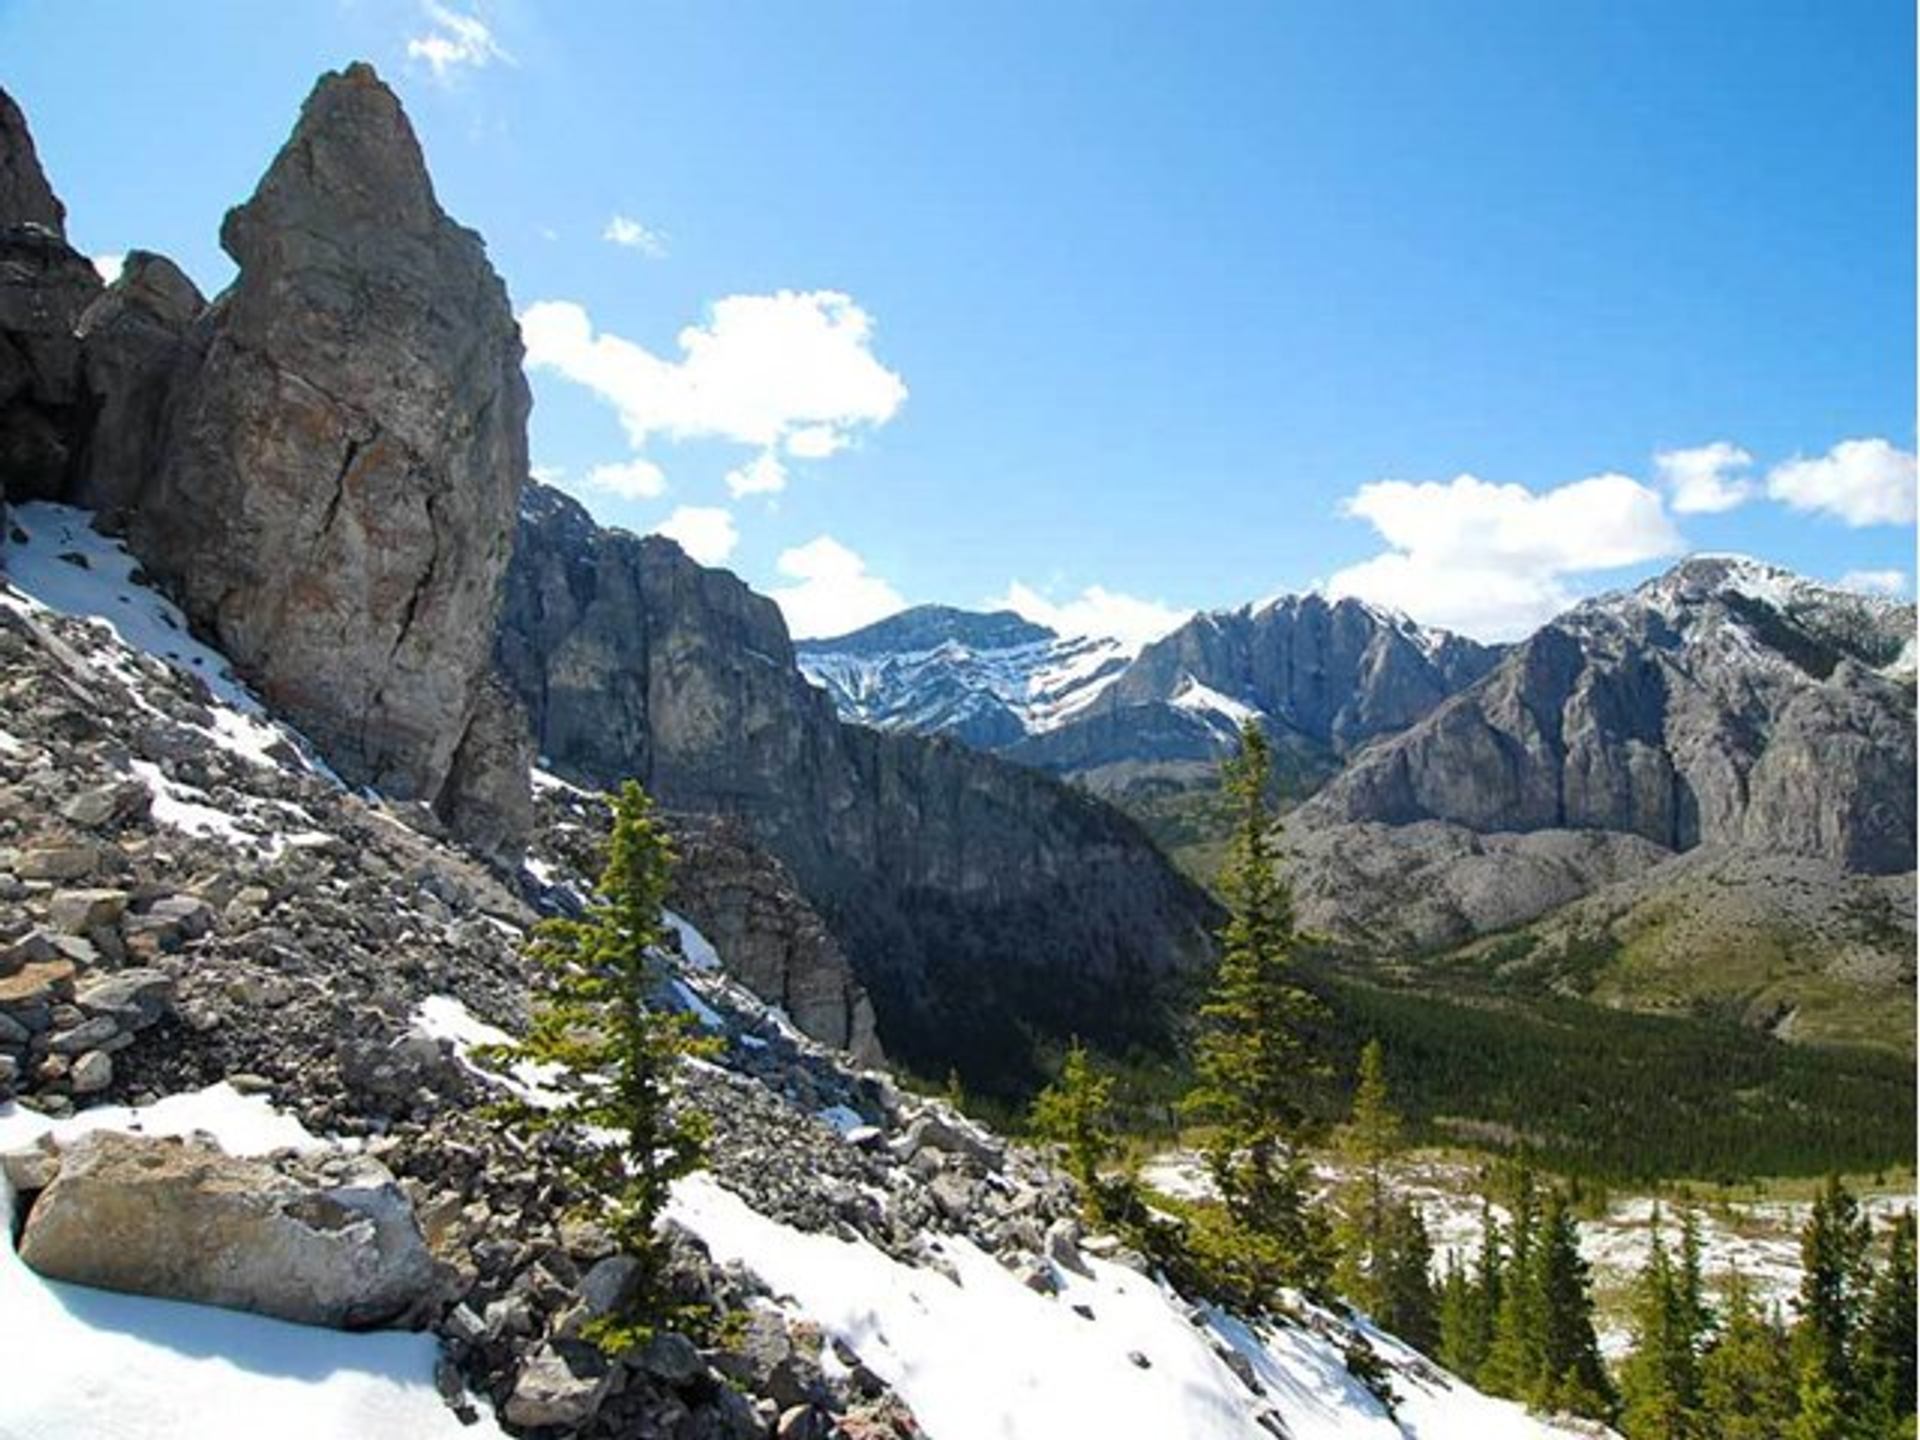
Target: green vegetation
618,1054
1385,1254
1844,1371
1617,1095
1075,1112
1253,1068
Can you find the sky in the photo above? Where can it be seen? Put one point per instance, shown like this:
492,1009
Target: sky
1110,311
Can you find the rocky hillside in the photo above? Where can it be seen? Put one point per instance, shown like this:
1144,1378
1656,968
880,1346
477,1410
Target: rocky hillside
987,680
1322,677
1726,708
978,902
239,1009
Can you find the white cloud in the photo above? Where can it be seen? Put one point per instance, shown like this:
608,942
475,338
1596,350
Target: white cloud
631,234
1094,611
1875,582
631,480
547,474
108,267
1492,560
834,593
704,531
815,442
1863,482
1706,479
762,475
455,40
764,369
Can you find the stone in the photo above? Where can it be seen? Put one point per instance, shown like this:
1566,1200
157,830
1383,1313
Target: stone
102,806
135,998
192,915
805,1422
38,984
25,196
669,1357
87,1035
559,1386
91,1073
187,1222
78,911
952,1194
345,442
609,1286
56,862
1063,1246
30,1167
35,947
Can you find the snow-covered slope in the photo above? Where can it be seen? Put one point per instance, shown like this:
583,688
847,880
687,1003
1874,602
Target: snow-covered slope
985,679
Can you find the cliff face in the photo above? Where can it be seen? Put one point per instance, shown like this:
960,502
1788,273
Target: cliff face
976,900
341,452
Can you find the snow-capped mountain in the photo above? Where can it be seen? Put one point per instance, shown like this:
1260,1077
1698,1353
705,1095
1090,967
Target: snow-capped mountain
986,679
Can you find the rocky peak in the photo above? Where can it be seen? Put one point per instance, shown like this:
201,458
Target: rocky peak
25,196
927,627
344,444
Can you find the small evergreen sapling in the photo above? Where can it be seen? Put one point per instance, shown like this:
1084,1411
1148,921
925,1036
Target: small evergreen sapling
596,1018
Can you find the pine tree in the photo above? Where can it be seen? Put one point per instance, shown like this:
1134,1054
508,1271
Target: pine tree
1513,1363
1251,1059
1833,1287
1571,1376
1076,1112
1887,1342
618,1053
1746,1383
1368,1140
1659,1383
1408,1307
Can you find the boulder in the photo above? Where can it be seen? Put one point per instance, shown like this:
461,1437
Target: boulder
345,443
562,1385
184,1221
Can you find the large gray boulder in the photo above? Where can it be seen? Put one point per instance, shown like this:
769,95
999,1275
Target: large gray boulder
334,499
44,286
184,1221
133,337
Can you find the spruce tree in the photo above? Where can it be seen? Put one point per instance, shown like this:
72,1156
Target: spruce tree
1076,1113
1833,1288
1571,1376
1746,1380
1659,1383
1252,1063
1513,1364
1408,1307
595,1018
1461,1347
1368,1140
1886,1349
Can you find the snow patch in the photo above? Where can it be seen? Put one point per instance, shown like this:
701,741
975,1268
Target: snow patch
698,950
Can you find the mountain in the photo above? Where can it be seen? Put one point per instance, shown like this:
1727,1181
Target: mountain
1707,744
1323,677
980,903
987,680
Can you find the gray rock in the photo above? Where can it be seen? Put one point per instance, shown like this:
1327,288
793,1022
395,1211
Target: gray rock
56,862
186,1222
669,1357
561,1385
78,911
136,998
25,196
1063,1246
609,1286
91,1073
345,445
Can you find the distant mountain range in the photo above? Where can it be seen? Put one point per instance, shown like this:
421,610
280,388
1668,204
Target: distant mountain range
1753,722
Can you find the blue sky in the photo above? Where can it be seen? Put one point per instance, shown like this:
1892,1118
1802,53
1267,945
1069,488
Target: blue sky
1125,309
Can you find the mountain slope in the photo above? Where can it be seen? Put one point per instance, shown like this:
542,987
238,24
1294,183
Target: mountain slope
979,902
987,680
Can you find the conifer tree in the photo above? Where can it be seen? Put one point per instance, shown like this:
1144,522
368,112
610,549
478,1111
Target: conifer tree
1659,1383
618,1053
1076,1113
1461,1347
1369,1138
1746,1384
1251,1061
1513,1363
1887,1342
1408,1307
1833,1288
1571,1375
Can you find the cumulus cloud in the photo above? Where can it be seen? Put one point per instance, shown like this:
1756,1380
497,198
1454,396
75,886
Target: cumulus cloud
453,41
631,234
762,475
1706,479
630,480
1875,582
1862,482
790,367
1493,560
1096,610
832,593
705,532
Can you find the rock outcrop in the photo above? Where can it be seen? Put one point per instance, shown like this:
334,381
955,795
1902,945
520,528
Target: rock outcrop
344,445
133,338
44,286
334,1246
974,897
746,905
